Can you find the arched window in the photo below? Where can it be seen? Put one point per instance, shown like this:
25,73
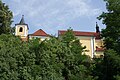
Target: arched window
21,29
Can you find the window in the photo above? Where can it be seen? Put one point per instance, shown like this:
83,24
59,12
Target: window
21,29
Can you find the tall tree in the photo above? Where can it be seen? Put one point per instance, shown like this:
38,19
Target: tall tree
111,19
5,18
111,35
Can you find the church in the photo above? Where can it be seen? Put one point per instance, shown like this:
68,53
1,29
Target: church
92,40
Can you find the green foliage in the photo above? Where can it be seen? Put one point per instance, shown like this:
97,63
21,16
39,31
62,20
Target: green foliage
107,68
51,59
111,20
63,58
5,18
111,35
112,62
98,69
15,59
68,36
117,77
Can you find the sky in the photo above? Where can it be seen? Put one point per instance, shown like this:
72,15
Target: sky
54,15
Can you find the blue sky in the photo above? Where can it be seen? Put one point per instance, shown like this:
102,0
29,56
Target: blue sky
54,15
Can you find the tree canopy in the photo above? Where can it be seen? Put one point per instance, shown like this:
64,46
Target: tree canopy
5,18
111,19
52,59
111,36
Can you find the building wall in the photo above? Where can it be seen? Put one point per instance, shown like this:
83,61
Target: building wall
99,43
41,37
88,42
99,54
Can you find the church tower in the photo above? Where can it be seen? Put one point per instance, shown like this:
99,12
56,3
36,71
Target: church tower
21,29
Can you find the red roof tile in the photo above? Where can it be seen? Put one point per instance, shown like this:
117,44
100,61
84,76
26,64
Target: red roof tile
39,32
80,33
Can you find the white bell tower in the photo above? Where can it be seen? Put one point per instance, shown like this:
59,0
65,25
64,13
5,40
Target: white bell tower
21,29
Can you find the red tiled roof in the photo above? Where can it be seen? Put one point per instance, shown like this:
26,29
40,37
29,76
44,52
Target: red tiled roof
39,32
80,33
100,49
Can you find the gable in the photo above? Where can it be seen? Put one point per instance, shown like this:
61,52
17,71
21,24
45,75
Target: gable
39,32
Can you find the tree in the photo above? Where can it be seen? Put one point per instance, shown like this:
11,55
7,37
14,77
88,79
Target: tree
52,59
111,35
77,66
111,19
5,18
68,37
16,60
61,59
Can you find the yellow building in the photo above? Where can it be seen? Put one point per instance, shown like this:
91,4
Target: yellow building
92,40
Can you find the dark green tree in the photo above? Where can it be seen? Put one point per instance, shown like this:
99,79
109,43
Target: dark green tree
5,18
111,36
111,19
16,59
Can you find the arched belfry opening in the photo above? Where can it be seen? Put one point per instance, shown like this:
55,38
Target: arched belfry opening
21,29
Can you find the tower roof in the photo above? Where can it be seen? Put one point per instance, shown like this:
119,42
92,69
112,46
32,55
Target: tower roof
22,21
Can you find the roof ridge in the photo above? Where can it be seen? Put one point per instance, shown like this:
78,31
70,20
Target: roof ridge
40,32
77,31
80,33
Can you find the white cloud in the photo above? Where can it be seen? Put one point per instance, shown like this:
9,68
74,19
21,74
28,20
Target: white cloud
51,13
82,8
54,8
